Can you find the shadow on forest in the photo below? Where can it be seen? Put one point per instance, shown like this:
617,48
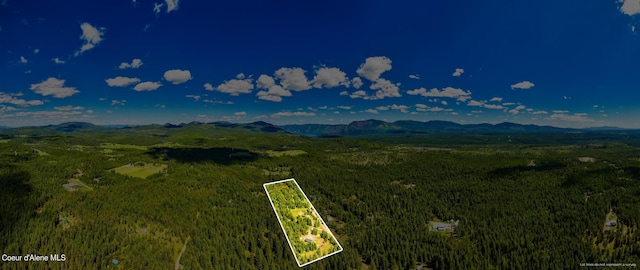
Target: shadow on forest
633,171
602,178
14,198
220,155
547,166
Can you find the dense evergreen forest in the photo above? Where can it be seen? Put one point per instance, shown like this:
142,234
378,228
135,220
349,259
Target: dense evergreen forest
522,202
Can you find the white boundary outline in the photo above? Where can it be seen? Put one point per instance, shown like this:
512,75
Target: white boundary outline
314,210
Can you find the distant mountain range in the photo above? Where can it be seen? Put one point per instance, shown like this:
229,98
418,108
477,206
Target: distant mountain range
72,127
372,127
366,127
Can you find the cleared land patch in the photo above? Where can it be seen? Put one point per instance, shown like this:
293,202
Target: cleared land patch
309,237
291,153
75,184
40,152
140,170
371,158
122,146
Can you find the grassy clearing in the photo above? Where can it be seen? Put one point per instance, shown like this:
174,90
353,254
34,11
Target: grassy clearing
371,158
298,212
290,153
5,141
122,146
278,171
140,171
75,184
40,152
169,145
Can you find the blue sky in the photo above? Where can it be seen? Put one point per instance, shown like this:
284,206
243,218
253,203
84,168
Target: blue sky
139,62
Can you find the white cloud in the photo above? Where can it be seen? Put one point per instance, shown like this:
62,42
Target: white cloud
474,103
493,106
630,7
53,87
438,109
444,102
275,94
539,112
293,79
496,99
10,98
508,104
517,109
36,51
194,97
371,111
344,93
240,76
121,81
344,107
157,8
265,81
135,63
330,77
383,108
147,86
401,108
447,92
208,86
356,82
560,111
177,76
118,102
172,5
68,108
425,108
91,36
58,61
359,94
576,117
23,60
240,113
386,89
287,114
373,67
458,72
236,87
522,85
416,76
